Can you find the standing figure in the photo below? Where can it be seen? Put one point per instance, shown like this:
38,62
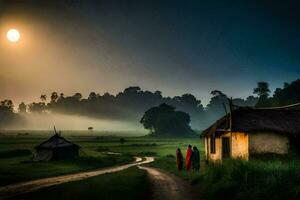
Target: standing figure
179,159
188,158
196,159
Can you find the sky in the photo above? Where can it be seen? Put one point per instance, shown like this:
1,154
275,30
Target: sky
173,46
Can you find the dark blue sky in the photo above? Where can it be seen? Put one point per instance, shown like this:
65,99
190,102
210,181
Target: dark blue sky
181,46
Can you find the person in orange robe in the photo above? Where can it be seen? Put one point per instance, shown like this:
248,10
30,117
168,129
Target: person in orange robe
188,158
179,159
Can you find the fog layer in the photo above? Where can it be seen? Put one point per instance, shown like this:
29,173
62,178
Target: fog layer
36,121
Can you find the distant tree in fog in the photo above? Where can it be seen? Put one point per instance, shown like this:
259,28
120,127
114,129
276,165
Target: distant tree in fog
37,107
61,95
43,98
22,108
92,96
131,103
77,96
54,97
8,104
7,116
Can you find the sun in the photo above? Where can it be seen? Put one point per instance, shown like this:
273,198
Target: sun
13,35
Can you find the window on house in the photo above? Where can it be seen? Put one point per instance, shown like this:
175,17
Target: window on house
212,144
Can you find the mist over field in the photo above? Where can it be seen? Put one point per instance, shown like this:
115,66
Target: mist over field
46,121
123,112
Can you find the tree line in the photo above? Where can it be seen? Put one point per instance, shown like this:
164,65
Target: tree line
130,104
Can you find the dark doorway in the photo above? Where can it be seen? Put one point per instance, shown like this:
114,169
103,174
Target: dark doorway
225,147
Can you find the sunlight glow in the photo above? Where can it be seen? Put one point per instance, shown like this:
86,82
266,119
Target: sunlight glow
13,35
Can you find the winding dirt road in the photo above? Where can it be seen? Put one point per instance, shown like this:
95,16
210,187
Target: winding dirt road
166,186
29,186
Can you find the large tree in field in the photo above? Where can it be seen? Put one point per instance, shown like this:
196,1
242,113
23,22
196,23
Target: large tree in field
262,91
164,121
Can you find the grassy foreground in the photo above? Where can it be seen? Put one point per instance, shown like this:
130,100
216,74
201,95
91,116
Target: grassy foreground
256,179
236,179
130,184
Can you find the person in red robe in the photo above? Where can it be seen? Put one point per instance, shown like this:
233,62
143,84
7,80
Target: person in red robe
188,158
179,159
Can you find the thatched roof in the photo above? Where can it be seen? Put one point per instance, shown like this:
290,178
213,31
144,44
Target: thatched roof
56,141
285,120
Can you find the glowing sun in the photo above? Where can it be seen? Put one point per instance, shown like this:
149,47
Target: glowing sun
13,35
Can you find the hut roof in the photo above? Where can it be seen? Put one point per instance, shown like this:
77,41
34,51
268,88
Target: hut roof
56,141
284,120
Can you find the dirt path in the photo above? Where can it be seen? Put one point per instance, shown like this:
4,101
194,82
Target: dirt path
166,186
29,186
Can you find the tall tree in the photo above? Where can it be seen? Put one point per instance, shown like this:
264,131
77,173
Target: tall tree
54,97
215,107
262,91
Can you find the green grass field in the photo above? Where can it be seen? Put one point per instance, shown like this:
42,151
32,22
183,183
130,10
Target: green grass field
17,151
234,179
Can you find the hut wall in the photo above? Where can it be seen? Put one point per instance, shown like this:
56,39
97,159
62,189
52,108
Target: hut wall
263,142
65,153
240,145
43,155
213,156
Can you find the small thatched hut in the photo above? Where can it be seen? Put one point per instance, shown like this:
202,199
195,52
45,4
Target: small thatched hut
251,131
56,148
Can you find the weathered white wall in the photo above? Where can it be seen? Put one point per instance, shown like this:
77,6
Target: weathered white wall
261,142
